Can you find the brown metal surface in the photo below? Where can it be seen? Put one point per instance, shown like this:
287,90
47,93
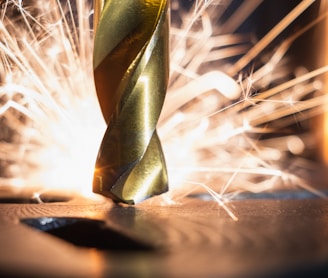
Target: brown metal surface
272,238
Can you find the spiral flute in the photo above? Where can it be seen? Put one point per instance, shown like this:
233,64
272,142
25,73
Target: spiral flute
131,75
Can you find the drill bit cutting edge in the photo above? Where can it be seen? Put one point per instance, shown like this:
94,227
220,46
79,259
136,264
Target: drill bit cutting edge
131,69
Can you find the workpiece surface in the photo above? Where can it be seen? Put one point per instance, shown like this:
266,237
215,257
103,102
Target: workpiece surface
193,238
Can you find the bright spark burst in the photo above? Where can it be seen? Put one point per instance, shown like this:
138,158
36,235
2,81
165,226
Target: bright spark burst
213,123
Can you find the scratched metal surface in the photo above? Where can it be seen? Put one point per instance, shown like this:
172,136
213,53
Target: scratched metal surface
195,238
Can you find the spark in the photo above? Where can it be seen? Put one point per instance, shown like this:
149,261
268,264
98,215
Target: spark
221,115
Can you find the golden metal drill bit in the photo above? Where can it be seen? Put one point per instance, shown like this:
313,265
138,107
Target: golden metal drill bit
131,75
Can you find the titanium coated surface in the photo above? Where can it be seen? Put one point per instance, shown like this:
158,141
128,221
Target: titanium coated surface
131,75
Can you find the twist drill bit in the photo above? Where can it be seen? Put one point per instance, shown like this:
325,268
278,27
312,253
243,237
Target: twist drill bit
131,75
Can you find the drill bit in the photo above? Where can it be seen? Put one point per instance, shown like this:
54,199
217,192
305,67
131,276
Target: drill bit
131,75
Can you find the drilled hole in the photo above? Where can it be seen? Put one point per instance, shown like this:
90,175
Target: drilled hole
86,233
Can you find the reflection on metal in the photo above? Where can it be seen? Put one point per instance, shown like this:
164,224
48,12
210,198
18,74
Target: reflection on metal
131,74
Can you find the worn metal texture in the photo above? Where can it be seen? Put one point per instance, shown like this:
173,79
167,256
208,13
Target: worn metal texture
195,238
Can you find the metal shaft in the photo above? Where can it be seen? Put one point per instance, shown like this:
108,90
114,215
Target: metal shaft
131,75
